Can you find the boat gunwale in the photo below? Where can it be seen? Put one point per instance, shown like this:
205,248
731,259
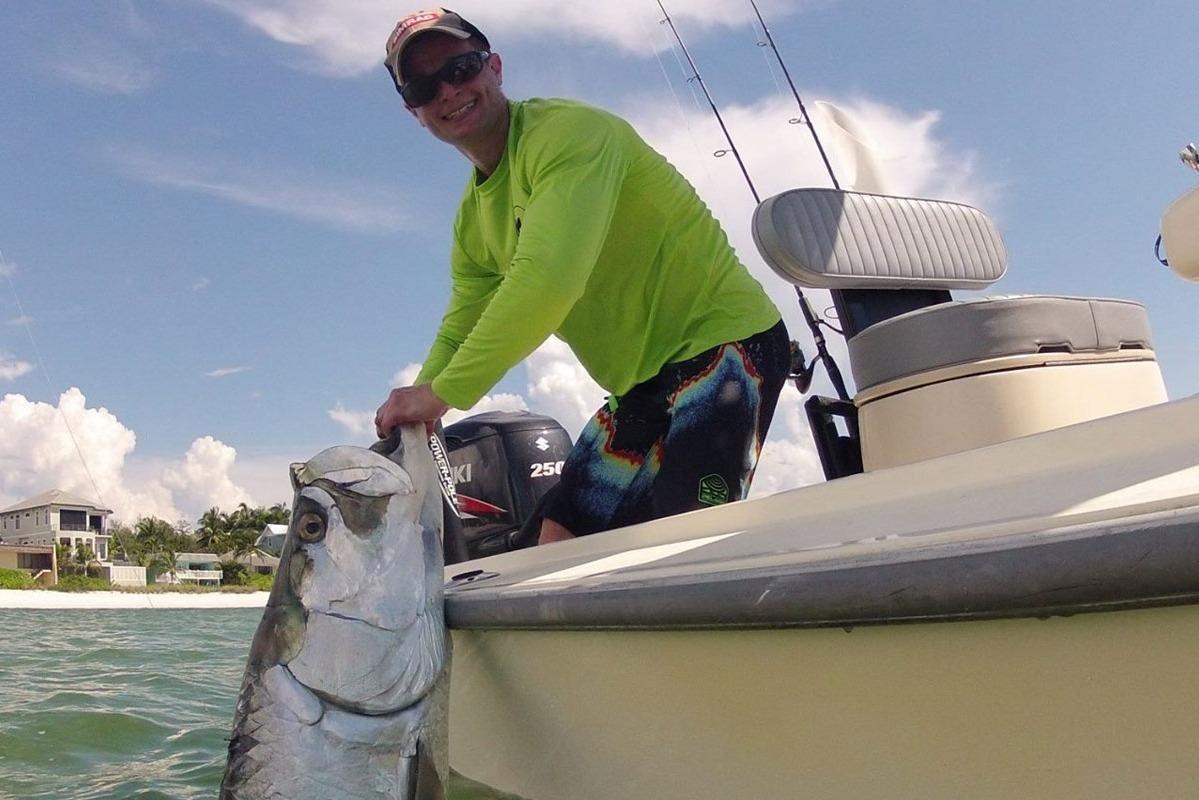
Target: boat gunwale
1149,560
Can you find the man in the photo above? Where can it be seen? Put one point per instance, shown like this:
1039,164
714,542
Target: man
571,225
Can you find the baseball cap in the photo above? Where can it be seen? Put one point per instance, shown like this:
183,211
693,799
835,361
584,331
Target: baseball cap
420,23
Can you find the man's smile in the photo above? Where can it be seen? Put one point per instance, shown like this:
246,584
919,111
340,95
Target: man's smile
458,112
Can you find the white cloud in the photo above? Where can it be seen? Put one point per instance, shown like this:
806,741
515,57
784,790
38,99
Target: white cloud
39,453
19,322
788,458
267,477
406,376
225,372
103,67
7,268
359,424
559,387
348,205
202,479
347,37
493,402
11,369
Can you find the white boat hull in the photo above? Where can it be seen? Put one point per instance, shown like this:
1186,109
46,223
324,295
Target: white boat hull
1092,706
1020,620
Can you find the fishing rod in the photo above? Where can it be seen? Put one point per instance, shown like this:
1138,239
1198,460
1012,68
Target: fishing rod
804,377
695,76
803,372
804,118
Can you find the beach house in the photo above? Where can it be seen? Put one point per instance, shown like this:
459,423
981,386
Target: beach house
270,540
200,568
38,560
56,517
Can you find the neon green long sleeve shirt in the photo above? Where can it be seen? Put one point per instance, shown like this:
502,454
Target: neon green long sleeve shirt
586,232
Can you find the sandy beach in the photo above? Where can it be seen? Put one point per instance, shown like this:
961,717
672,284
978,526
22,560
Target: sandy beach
33,598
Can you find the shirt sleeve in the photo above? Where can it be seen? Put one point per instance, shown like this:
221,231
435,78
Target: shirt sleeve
472,289
576,166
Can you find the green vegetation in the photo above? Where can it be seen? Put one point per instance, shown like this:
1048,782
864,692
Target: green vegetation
261,583
15,579
235,532
78,562
81,583
184,588
154,543
234,573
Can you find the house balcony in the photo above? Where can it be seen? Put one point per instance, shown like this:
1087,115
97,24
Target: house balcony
209,576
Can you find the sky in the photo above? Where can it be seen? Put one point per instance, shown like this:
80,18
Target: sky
224,239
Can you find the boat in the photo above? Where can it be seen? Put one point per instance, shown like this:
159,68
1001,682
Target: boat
995,594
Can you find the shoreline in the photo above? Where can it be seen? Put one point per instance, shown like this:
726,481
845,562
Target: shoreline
46,599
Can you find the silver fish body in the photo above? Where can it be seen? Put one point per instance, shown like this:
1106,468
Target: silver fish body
346,686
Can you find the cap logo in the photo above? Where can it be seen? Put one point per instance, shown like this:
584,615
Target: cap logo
407,23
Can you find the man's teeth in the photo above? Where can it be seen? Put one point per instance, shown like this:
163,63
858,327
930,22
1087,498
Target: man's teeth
461,111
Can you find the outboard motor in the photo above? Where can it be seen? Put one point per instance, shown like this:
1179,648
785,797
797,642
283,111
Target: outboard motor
503,463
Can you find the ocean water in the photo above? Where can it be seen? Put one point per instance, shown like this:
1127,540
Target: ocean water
127,705
118,704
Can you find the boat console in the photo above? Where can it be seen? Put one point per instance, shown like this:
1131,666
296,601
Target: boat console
936,376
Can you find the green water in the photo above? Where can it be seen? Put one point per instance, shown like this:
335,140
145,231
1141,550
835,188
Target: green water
118,704
126,705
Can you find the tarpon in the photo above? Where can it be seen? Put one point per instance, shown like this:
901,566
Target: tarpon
345,689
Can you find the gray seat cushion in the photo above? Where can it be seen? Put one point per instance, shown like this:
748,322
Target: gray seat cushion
844,240
992,327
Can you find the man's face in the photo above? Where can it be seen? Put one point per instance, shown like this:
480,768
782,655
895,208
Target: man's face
459,115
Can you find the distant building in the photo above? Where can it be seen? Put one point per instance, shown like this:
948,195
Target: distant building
55,517
201,568
271,539
38,560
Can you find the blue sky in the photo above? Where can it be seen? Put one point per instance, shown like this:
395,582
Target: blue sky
224,239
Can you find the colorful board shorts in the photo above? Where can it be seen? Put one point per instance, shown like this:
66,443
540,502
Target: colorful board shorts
685,439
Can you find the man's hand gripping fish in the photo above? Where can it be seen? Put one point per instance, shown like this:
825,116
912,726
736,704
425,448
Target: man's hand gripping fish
345,691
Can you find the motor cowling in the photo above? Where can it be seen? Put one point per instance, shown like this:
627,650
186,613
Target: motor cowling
503,463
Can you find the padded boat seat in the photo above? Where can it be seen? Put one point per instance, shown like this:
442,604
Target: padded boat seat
832,239
970,331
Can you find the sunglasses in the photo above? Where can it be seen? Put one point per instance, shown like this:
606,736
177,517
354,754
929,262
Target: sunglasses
457,71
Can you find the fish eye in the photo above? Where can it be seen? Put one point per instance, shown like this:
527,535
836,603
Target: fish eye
310,527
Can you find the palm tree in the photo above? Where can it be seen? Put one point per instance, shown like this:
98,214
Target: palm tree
85,556
212,532
125,541
65,558
159,543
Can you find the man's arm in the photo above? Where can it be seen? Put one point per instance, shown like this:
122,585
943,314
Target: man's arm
576,170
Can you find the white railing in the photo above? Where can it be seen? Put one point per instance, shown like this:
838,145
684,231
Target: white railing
199,575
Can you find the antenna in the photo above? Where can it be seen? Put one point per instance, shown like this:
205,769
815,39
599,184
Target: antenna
699,79
804,118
